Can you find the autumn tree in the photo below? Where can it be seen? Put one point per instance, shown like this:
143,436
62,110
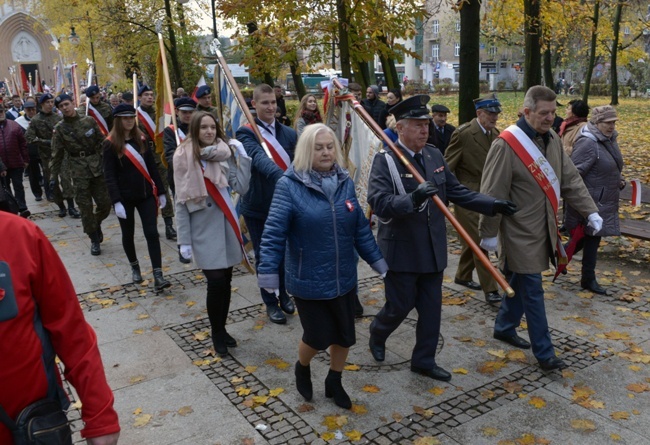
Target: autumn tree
468,77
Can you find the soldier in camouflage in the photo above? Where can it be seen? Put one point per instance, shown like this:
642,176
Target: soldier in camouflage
40,132
80,140
104,109
204,99
147,123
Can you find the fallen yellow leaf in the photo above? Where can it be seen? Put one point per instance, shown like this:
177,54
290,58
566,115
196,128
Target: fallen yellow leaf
200,336
327,436
242,391
583,424
128,306
190,303
260,399
427,440
460,371
185,410
352,367
277,363
638,387
370,388
437,390
138,331
276,392
137,411
143,316
358,409
136,379
335,422
620,415
250,369
353,435
142,420
537,402
490,431
497,353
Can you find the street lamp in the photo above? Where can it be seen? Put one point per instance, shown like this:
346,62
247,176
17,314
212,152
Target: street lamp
75,40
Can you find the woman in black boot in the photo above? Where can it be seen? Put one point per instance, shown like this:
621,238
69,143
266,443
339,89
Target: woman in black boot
133,182
316,218
207,225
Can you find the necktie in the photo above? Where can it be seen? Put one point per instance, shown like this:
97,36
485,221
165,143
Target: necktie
441,130
489,136
420,160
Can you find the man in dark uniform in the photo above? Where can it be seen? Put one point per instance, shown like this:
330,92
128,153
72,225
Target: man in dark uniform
439,130
147,123
40,132
79,139
281,112
185,107
466,157
412,234
204,100
98,106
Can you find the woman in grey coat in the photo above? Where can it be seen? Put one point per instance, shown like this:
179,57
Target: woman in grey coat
205,166
598,159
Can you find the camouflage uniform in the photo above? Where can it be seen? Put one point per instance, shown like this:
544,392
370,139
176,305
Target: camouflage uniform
168,210
40,132
79,139
212,110
104,109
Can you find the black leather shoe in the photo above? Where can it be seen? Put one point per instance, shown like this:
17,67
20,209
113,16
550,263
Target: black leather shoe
436,373
219,343
276,315
551,364
471,284
230,342
95,248
181,259
303,381
25,213
62,212
38,198
75,214
287,305
378,350
137,274
492,297
513,340
593,286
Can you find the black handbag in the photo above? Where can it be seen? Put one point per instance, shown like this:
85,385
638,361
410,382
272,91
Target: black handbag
41,423
8,202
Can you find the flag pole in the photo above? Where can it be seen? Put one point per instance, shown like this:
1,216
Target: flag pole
135,94
90,79
363,114
168,84
221,63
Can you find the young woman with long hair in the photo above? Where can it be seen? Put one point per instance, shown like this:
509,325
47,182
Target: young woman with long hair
308,113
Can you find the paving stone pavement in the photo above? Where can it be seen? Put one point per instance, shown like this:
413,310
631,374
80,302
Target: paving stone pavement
171,389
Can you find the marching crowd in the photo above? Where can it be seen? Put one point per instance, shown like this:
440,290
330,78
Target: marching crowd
303,218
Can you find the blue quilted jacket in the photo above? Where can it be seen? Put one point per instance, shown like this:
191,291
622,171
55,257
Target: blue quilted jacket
317,238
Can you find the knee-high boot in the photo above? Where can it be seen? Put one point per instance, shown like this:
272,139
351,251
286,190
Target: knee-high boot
218,302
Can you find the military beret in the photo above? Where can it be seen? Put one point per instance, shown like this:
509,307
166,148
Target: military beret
124,110
185,104
203,90
438,108
143,89
127,96
62,98
29,104
488,103
92,90
414,107
44,97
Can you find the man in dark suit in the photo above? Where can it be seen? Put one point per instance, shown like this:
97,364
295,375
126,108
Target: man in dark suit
466,155
439,130
412,234
265,172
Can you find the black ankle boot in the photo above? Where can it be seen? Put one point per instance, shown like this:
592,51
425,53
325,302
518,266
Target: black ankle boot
303,381
62,211
218,303
95,249
170,232
159,282
334,388
72,211
593,286
137,275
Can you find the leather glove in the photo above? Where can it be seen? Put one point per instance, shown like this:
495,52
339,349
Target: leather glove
52,184
276,292
238,146
186,251
490,244
423,192
508,208
120,211
162,201
595,222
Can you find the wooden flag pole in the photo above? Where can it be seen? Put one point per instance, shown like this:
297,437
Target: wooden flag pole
135,95
168,85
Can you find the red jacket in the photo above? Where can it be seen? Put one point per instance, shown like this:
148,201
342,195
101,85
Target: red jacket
37,271
13,146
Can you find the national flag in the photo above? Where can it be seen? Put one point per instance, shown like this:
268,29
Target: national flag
23,79
38,84
232,115
75,84
200,83
58,76
636,192
163,108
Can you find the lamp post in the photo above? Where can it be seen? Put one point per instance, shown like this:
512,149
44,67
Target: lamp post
74,39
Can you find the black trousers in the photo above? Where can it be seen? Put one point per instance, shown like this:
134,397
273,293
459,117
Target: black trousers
148,215
14,178
589,257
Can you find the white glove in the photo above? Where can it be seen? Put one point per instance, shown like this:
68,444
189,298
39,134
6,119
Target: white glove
489,244
120,211
276,292
162,201
238,146
186,251
383,275
595,222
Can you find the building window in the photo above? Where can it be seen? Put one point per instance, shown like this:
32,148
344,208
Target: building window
626,31
435,27
435,52
492,51
456,49
458,25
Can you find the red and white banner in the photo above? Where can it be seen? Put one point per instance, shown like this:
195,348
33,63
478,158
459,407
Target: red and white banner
200,83
636,192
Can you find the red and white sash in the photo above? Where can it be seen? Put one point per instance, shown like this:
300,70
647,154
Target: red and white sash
181,136
278,153
103,126
138,161
221,196
148,123
542,171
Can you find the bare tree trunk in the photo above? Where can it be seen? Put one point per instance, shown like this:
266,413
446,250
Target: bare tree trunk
297,79
388,65
548,69
614,71
592,52
344,39
176,66
532,32
468,77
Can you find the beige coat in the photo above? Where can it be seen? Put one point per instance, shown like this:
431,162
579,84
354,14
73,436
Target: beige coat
528,238
569,137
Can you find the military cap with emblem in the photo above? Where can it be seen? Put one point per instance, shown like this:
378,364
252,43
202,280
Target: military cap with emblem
44,97
29,104
62,98
124,110
438,108
203,90
143,89
414,107
488,103
92,90
185,104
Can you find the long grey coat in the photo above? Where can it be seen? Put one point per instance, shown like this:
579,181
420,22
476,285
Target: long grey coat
599,161
214,243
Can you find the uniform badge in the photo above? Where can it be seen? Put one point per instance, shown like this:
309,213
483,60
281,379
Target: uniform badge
89,132
349,205
439,169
